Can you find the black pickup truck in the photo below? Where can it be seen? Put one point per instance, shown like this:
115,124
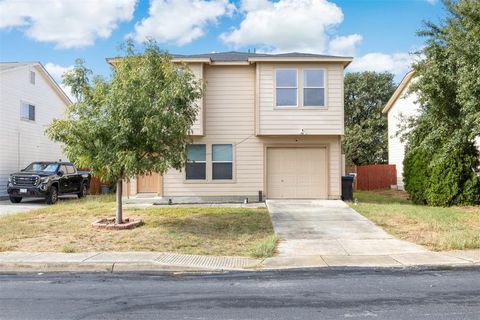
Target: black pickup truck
47,180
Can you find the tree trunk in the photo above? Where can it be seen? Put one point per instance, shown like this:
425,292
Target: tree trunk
119,211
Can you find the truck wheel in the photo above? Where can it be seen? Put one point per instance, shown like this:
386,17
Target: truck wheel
52,198
83,191
15,199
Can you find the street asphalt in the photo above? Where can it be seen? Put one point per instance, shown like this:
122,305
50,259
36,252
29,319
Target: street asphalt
295,294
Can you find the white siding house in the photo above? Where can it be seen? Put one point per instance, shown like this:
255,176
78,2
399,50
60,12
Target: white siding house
401,106
29,100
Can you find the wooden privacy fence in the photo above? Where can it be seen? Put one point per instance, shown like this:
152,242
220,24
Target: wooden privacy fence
373,177
95,185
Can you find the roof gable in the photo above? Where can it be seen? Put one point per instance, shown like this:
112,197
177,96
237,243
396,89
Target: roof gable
399,91
11,66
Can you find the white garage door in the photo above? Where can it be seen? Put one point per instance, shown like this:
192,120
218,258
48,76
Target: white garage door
297,173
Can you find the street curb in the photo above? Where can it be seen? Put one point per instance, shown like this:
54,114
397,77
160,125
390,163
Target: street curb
18,267
56,267
122,267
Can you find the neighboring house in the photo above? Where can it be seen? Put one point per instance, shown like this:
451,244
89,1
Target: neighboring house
267,123
29,100
401,106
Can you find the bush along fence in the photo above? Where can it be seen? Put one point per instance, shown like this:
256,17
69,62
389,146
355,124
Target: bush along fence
373,177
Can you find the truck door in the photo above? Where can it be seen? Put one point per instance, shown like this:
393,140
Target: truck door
74,179
64,182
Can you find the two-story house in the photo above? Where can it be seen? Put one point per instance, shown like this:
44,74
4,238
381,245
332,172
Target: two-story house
29,100
268,123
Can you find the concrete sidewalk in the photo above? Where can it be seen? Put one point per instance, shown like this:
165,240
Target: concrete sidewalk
174,262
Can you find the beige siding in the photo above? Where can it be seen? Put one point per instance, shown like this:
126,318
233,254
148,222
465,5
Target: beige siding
230,118
23,141
275,121
198,127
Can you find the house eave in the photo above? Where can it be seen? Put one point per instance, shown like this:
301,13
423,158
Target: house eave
398,92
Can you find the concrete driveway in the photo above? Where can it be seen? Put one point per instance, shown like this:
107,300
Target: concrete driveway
330,228
7,208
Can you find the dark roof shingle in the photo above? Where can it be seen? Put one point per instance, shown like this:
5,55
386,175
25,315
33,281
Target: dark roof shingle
234,56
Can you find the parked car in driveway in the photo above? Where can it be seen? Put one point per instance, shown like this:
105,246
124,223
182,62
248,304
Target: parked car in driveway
48,180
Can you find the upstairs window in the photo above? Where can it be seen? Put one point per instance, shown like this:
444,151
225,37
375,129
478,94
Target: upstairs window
196,162
286,87
222,162
314,88
27,111
32,77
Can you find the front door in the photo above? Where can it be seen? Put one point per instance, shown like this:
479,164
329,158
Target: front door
149,183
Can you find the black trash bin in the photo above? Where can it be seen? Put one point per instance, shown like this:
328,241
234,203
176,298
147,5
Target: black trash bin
347,188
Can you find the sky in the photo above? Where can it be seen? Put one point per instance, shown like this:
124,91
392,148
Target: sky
379,34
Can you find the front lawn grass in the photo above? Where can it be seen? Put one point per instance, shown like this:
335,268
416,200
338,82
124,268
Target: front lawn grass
437,228
66,227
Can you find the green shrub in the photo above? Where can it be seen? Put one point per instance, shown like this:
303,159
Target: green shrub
453,180
416,174
442,181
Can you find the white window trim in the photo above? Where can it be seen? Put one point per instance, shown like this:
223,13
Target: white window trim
198,161
276,87
22,102
306,87
216,180
208,167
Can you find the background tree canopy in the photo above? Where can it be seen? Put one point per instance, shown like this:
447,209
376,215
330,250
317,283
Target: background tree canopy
366,137
448,88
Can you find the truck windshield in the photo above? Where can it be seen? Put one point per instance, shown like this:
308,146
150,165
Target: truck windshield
44,167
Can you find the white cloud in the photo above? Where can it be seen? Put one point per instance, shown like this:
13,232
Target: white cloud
287,25
432,1
180,21
57,71
397,63
344,45
67,23
250,5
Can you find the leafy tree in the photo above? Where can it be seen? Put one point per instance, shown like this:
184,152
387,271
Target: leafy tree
366,137
448,88
135,123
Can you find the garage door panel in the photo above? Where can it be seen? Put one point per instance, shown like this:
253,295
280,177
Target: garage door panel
296,173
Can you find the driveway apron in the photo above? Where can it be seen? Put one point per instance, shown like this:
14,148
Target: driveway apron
330,227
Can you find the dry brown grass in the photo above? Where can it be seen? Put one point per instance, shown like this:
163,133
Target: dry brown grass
454,228
67,227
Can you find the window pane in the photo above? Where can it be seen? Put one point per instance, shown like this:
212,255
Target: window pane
222,152
313,78
313,97
32,77
195,171
31,112
25,111
70,169
286,78
286,97
222,171
196,152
